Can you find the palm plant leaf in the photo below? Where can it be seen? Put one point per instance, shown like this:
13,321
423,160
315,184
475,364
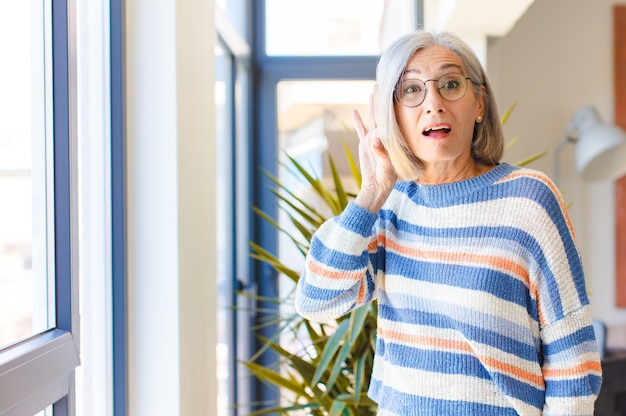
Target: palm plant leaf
342,197
508,113
357,320
265,256
317,186
332,345
338,365
531,159
354,167
275,378
338,408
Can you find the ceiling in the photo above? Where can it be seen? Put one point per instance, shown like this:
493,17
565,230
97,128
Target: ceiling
474,17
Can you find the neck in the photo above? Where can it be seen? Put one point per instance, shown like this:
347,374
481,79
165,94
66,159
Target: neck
438,174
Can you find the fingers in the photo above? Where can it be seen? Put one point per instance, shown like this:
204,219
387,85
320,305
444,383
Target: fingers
358,124
373,107
358,121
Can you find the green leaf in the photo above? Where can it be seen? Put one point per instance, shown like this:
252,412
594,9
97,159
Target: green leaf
316,184
265,256
304,210
284,409
337,409
531,159
508,113
341,193
265,374
508,145
338,365
357,320
333,344
359,371
356,171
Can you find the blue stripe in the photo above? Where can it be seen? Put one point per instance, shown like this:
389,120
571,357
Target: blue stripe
456,275
347,262
478,333
408,404
589,384
464,364
315,293
572,340
517,238
520,390
434,361
523,187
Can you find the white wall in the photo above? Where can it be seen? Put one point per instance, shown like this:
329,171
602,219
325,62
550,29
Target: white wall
170,75
556,59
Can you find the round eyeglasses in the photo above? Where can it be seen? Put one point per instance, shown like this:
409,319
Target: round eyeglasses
411,92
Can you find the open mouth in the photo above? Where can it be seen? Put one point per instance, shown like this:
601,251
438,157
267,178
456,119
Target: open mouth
430,130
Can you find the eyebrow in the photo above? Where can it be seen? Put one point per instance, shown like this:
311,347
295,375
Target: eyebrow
441,68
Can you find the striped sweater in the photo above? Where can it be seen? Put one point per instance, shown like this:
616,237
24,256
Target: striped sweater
482,308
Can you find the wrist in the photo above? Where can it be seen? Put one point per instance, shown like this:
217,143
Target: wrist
371,199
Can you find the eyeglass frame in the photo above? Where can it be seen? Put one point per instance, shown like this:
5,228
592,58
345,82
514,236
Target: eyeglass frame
426,89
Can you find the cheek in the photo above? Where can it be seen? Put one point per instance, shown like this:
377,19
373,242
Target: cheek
407,119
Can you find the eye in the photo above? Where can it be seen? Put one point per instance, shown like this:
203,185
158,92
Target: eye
410,87
451,82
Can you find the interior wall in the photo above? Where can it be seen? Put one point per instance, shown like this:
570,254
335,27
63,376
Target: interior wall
556,59
171,209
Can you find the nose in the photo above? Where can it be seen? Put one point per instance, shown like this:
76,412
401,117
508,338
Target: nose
433,101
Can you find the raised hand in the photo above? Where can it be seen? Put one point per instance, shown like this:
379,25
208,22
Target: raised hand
378,175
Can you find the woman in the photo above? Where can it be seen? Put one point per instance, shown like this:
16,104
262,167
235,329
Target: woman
482,308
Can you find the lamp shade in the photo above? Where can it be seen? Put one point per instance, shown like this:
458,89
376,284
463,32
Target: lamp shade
601,148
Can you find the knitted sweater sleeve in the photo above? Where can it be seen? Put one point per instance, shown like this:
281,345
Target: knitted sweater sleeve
340,268
571,366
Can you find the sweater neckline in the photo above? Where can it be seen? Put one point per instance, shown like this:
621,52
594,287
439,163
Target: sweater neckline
445,192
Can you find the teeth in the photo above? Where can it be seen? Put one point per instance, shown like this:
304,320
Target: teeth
429,130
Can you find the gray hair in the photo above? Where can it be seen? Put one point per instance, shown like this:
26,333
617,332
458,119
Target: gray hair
488,139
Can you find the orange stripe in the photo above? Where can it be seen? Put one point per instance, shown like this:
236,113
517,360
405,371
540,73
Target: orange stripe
549,184
421,340
493,262
503,367
319,269
573,371
500,366
562,205
361,296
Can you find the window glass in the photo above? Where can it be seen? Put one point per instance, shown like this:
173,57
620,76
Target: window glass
314,120
46,412
323,27
236,13
25,166
223,106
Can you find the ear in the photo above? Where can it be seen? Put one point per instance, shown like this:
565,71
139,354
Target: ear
480,104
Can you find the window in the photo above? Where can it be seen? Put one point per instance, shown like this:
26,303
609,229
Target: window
323,27
316,62
26,264
232,103
40,350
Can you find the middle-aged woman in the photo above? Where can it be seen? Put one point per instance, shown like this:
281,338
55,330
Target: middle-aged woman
482,307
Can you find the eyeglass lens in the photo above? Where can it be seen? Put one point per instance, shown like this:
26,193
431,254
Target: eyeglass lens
411,92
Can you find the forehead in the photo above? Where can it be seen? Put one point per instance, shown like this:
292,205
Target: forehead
434,60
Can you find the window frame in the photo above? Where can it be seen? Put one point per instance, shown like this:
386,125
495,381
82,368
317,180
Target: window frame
118,211
39,371
269,71
237,49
